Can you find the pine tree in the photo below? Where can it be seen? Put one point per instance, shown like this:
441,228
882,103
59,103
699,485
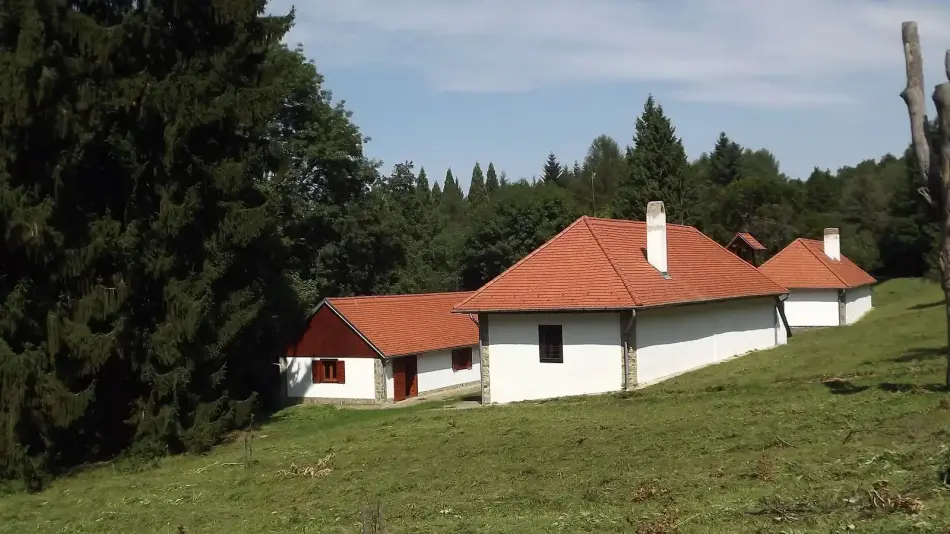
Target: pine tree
203,227
551,174
151,297
422,183
656,170
491,180
61,237
436,194
453,200
725,162
477,191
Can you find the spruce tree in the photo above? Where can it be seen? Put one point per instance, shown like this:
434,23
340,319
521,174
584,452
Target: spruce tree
725,162
491,179
656,170
477,191
203,226
422,184
130,178
61,236
551,174
453,200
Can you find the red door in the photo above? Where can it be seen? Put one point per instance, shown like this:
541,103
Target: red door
405,378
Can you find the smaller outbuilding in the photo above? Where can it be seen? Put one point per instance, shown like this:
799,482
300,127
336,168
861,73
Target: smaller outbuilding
380,349
747,247
825,287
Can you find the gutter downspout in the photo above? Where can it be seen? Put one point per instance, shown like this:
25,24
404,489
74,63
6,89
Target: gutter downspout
625,347
780,306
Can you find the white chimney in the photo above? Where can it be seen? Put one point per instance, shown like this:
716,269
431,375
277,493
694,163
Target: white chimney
656,235
832,244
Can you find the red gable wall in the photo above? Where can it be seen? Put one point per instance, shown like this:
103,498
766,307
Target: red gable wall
328,336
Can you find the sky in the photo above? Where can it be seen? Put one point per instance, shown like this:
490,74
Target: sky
447,83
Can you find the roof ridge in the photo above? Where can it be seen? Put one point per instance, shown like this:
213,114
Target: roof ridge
744,263
608,219
610,260
520,262
400,295
823,264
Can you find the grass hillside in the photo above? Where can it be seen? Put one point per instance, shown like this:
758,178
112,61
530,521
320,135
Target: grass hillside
764,443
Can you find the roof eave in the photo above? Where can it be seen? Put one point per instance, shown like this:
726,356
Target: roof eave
624,308
548,310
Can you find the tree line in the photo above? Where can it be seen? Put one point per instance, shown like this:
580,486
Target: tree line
178,189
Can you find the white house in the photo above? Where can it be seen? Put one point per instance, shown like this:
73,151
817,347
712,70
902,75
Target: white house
382,349
825,287
607,305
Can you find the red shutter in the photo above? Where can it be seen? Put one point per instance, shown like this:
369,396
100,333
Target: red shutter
340,372
316,371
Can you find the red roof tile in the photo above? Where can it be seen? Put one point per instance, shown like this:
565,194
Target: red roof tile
747,237
804,265
597,264
409,324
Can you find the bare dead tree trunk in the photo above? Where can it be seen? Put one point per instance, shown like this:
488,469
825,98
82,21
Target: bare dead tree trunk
932,151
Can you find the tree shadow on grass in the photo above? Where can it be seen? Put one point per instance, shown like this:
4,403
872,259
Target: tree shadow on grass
840,386
898,387
933,304
920,354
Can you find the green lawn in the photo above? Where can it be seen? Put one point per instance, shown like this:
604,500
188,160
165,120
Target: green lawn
764,443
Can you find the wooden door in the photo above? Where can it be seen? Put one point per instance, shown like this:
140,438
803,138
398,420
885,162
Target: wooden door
412,377
405,379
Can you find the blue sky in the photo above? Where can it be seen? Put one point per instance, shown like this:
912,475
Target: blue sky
446,83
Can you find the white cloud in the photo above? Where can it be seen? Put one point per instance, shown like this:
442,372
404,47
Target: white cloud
778,53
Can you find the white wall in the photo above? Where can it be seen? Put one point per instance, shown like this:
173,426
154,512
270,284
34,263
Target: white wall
812,307
359,380
676,339
857,303
593,361
435,371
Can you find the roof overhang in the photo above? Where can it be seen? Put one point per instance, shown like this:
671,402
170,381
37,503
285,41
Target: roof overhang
625,308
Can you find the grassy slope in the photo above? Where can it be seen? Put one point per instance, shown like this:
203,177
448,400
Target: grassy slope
753,445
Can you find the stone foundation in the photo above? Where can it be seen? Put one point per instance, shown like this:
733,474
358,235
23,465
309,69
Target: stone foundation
293,401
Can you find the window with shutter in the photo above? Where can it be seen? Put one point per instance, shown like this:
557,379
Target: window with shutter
324,371
462,359
316,371
550,343
340,372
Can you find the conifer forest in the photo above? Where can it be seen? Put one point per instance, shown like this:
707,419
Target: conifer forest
179,188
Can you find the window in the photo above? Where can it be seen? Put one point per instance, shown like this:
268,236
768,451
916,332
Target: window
328,371
550,343
462,359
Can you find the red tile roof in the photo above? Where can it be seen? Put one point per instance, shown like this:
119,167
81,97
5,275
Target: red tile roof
409,324
747,237
599,264
804,265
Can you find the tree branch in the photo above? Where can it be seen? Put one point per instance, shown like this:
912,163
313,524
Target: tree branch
913,95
